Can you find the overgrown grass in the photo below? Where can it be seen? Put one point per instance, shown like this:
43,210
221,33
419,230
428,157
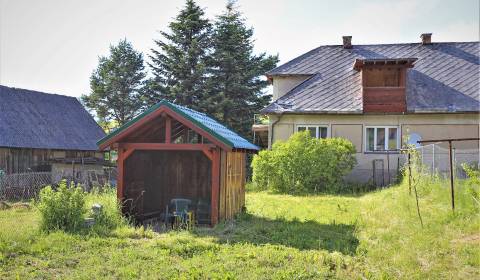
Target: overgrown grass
376,236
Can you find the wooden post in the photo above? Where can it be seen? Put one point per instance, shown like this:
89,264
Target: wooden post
168,130
215,186
451,174
120,174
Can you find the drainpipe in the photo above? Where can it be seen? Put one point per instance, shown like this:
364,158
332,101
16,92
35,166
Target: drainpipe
273,124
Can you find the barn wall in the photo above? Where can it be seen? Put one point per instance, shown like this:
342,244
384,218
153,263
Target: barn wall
153,178
24,160
232,184
17,160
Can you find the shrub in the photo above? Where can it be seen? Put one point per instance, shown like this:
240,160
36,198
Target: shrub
62,209
304,164
473,182
110,217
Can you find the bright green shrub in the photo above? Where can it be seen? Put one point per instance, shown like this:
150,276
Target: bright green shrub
304,164
110,217
62,209
473,182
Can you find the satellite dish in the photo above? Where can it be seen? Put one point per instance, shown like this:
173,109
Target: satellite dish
414,137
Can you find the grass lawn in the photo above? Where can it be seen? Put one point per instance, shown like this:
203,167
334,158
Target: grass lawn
376,235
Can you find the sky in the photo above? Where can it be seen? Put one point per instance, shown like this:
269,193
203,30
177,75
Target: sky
54,45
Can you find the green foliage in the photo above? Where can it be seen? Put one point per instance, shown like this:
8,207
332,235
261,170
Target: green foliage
211,68
110,217
473,182
304,164
62,209
374,236
236,82
116,85
178,62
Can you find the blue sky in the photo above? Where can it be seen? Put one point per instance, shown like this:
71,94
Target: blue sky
53,45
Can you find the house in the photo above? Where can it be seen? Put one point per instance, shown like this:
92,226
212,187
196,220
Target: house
41,132
376,95
171,153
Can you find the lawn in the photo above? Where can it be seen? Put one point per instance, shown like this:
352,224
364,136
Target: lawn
375,236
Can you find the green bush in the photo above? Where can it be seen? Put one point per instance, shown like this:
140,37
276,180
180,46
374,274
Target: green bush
304,164
473,182
62,209
110,217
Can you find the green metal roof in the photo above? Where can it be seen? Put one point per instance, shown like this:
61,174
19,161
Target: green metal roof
201,120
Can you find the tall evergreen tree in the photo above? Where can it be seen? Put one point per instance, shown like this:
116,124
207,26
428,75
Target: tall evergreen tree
235,84
178,63
116,85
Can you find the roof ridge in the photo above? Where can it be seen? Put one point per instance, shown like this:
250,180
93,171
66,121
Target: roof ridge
308,53
24,90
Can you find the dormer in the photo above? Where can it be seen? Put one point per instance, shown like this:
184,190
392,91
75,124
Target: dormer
384,84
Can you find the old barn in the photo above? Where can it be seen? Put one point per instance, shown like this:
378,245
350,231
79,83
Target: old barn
172,153
42,132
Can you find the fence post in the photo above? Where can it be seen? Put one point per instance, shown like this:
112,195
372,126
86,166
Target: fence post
409,174
451,174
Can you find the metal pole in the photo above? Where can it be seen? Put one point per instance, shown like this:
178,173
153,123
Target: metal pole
409,174
388,166
451,174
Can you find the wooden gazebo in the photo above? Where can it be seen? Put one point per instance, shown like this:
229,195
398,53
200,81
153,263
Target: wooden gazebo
172,152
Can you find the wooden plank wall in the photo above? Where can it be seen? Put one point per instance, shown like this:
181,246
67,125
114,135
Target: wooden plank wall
232,184
384,89
153,178
23,160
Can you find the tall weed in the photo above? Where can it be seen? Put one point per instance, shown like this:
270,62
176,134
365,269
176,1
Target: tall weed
62,209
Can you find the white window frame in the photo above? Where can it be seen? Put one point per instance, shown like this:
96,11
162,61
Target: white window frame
316,126
387,136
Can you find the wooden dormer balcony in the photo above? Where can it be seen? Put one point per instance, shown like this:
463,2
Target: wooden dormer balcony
384,100
384,84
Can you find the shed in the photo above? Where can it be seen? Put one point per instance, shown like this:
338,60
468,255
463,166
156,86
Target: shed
172,152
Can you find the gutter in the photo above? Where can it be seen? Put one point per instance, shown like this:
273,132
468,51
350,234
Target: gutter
273,124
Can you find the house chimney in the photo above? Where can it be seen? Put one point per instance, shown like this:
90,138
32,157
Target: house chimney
347,42
426,38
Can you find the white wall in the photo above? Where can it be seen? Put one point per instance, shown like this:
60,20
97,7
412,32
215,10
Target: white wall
283,84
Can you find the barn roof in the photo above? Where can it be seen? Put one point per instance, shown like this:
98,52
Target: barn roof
445,78
32,119
201,120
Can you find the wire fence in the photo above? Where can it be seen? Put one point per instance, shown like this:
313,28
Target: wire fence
435,160
26,186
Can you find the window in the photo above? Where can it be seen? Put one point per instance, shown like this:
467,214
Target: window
382,77
381,138
317,131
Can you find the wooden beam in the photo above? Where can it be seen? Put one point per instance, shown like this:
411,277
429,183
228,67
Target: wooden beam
164,146
127,153
120,175
168,130
132,128
159,112
215,186
197,129
208,154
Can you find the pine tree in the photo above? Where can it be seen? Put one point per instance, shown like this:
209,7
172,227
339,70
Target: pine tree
178,64
236,84
116,85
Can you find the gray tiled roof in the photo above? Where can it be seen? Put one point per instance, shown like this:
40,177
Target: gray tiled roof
31,119
445,78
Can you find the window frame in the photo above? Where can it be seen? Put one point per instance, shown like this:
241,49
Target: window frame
317,130
386,141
